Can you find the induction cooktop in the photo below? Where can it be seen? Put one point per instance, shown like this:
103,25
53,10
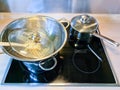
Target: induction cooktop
87,66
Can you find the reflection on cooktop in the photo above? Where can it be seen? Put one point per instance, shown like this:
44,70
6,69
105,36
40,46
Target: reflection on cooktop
74,66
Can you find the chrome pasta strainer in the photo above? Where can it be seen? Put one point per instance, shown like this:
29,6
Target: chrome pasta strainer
43,36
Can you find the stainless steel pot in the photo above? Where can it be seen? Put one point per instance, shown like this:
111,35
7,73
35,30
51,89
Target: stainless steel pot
83,27
56,32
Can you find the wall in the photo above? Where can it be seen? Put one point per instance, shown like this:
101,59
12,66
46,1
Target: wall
65,6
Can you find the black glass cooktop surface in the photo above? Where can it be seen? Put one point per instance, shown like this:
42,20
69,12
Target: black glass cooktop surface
88,65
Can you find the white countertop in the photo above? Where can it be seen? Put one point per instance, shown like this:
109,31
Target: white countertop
109,25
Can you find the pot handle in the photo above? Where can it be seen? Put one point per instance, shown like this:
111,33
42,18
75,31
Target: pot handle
64,20
114,43
45,65
1,52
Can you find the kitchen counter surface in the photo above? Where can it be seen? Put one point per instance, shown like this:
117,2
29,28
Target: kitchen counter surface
109,25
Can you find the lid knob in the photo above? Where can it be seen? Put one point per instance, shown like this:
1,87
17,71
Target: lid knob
85,19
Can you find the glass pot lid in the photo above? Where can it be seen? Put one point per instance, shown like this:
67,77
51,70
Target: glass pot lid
84,23
35,44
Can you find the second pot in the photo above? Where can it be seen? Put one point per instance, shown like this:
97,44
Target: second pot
83,27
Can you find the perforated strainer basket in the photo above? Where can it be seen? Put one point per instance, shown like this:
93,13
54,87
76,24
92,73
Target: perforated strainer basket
46,35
